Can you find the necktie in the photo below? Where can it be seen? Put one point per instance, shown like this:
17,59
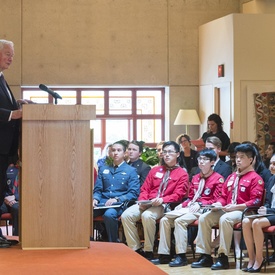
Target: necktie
235,190
199,191
163,184
15,186
272,190
4,83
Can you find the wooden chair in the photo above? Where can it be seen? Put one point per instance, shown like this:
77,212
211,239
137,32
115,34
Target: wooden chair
268,232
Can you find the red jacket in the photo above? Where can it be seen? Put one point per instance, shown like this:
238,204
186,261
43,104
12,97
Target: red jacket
176,189
250,189
211,192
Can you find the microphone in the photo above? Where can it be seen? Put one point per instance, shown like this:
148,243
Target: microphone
51,92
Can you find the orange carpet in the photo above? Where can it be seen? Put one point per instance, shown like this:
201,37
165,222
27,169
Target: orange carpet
100,258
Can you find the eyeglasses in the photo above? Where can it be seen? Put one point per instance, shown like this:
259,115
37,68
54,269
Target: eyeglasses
169,152
203,159
183,141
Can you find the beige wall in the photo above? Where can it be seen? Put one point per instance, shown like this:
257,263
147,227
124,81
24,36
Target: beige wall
107,42
259,6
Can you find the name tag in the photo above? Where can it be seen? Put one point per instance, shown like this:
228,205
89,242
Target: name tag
106,171
159,175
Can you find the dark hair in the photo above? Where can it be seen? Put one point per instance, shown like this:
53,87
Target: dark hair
139,144
232,146
173,143
177,149
272,143
217,119
211,154
122,142
181,136
247,148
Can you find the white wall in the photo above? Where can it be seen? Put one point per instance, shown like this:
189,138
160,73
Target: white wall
216,48
244,43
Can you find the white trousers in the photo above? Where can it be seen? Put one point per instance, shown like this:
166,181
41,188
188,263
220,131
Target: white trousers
226,221
148,217
180,232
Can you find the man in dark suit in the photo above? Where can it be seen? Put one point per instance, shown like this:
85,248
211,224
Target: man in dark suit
220,166
135,150
9,123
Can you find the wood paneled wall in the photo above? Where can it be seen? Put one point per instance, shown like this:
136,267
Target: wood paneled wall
110,42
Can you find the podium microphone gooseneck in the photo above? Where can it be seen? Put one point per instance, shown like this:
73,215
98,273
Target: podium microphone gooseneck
51,92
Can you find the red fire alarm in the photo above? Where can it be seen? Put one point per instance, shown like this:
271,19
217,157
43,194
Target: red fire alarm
221,70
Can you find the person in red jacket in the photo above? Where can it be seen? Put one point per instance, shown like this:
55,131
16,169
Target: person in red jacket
243,188
205,189
164,184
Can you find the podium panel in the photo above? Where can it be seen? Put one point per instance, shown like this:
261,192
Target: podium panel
56,176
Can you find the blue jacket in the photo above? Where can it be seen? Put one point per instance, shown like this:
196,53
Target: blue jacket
122,183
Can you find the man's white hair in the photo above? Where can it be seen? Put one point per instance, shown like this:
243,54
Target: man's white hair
4,42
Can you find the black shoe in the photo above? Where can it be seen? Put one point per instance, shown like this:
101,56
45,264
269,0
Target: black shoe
272,258
179,261
162,259
221,263
204,260
4,243
258,270
149,255
246,269
140,252
13,242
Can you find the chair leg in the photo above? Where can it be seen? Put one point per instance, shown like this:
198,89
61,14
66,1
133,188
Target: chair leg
7,226
241,248
266,248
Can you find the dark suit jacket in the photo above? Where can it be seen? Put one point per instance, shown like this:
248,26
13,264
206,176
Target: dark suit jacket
142,169
9,130
221,167
269,194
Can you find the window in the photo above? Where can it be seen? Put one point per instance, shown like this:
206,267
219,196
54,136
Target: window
121,113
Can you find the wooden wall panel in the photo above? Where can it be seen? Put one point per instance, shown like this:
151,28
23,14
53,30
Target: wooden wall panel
99,42
10,29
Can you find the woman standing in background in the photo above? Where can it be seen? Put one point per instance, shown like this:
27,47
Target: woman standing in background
215,128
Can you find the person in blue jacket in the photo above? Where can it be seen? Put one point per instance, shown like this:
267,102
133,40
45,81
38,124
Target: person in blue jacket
116,183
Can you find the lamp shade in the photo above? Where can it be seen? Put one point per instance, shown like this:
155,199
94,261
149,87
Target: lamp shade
187,117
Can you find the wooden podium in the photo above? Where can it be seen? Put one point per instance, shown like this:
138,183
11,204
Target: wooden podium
56,179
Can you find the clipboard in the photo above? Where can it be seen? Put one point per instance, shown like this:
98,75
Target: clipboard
254,216
144,202
198,143
103,206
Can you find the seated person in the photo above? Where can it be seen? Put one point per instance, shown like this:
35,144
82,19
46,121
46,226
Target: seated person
253,229
205,189
135,149
243,188
232,155
189,155
115,183
159,152
220,166
269,152
11,200
165,183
